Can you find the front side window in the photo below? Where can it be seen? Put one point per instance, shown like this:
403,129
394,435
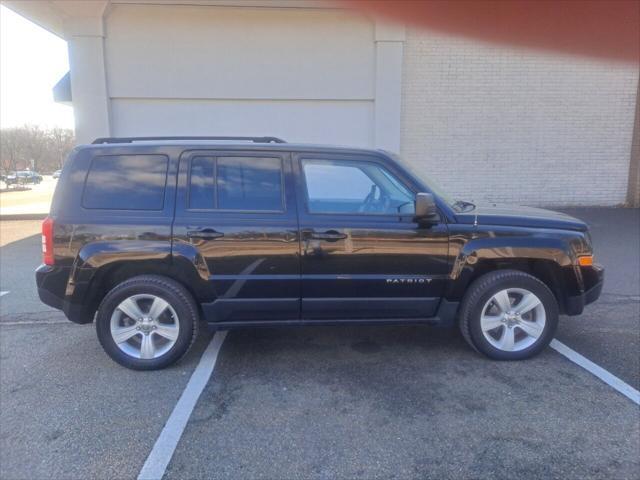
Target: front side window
236,183
354,187
126,182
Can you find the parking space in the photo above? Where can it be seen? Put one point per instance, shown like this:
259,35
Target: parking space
400,402
68,411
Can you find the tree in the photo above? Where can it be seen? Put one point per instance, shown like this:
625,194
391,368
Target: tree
62,142
32,147
35,147
12,148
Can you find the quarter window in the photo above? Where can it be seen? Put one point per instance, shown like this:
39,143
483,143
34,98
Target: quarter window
126,182
236,183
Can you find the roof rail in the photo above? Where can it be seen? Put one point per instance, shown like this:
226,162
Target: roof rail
146,139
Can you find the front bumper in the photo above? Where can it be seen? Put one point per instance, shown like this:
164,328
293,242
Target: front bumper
593,281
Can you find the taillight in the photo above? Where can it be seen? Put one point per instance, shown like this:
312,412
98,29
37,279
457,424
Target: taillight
47,241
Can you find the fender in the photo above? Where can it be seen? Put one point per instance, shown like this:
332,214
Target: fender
97,260
96,256
476,254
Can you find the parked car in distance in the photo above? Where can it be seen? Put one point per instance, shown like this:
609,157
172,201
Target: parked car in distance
56,174
23,177
151,235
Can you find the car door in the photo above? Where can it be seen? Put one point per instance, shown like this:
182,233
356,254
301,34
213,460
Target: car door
362,254
237,209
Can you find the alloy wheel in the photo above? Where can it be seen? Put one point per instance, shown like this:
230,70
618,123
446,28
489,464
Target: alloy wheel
513,319
144,326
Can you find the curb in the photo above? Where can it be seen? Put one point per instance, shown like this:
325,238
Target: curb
24,216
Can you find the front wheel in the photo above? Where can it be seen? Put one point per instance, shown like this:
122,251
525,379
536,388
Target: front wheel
508,315
147,322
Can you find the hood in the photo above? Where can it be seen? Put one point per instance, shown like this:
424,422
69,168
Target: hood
492,214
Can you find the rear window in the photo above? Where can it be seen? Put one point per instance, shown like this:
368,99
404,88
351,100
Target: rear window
236,183
126,182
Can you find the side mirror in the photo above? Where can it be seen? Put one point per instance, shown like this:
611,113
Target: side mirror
426,209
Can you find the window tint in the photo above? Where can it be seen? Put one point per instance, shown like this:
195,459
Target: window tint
202,189
126,182
354,187
236,183
326,181
249,183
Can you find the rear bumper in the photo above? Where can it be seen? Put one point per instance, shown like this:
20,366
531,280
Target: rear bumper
594,281
52,283
49,298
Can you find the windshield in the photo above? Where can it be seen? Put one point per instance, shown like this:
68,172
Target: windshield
457,205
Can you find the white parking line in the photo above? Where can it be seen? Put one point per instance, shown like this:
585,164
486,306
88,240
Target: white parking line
160,456
3,293
36,322
610,379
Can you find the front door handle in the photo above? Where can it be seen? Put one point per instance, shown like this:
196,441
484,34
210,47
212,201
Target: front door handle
328,236
205,234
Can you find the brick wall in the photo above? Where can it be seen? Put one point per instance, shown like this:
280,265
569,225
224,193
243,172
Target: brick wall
633,194
517,126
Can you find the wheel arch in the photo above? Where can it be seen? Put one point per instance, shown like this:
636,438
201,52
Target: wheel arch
547,259
98,270
477,298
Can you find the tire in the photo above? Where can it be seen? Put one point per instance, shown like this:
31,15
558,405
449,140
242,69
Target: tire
149,342
490,322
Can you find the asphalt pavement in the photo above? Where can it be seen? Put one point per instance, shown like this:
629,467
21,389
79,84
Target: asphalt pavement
20,255
325,402
393,402
68,412
608,331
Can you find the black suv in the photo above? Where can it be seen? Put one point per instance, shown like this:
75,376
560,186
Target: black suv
149,235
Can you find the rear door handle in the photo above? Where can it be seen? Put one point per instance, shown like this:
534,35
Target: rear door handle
205,234
328,236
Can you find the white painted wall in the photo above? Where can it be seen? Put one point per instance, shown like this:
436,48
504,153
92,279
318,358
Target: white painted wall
312,121
303,74
217,52
507,125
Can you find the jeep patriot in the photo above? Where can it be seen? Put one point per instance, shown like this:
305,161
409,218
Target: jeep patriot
150,235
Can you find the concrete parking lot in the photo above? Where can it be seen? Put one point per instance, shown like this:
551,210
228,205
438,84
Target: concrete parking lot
325,402
27,199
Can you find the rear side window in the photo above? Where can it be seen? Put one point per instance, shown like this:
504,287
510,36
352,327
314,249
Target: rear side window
236,183
126,182
202,189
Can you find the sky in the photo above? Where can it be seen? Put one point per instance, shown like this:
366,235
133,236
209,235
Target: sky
32,60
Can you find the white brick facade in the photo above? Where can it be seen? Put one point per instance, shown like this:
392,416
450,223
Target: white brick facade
517,126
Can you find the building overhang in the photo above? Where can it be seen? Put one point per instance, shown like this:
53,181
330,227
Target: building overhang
63,17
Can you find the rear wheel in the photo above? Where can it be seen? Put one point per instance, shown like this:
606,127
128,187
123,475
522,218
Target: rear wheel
147,322
508,315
